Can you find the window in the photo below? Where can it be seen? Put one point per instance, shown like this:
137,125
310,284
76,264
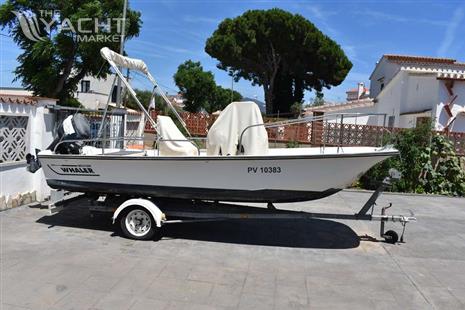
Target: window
12,138
85,86
391,121
114,94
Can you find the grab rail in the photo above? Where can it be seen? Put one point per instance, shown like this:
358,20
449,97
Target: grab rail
306,120
131,138
180,140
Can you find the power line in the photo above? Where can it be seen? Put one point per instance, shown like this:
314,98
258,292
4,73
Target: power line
163,86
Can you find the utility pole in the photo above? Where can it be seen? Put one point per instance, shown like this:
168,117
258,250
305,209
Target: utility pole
121,51
232,87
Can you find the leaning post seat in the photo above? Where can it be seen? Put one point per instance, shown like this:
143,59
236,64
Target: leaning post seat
224,135
168,131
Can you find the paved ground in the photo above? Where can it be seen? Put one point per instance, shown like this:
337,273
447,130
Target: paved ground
67,261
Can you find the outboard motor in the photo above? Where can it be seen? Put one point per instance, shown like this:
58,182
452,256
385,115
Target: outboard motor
74,127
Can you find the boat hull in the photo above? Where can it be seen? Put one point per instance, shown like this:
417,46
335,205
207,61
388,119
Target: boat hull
235,178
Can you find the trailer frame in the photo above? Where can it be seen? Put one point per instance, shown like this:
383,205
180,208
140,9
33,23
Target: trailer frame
166,211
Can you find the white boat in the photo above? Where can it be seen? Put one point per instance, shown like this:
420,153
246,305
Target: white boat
178,169
283,175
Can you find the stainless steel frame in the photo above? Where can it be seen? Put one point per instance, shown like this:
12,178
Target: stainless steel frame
157,141
266,125
307,120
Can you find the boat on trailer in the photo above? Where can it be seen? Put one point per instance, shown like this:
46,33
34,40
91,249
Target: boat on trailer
236,164
282,175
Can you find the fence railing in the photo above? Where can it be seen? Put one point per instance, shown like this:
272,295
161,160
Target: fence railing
316,133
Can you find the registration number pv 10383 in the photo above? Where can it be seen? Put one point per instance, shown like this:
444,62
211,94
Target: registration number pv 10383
264,169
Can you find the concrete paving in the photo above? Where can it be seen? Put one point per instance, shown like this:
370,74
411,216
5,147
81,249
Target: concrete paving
68,261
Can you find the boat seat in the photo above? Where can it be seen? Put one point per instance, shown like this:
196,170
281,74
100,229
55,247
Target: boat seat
225,133
167,130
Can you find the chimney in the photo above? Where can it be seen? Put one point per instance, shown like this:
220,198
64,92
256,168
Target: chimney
361,90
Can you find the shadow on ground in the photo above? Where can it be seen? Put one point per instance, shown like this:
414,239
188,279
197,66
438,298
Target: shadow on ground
311,233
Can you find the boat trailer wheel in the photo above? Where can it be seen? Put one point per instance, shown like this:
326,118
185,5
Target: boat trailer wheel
391,236
137,223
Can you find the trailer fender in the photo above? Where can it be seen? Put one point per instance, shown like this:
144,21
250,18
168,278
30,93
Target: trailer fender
147,204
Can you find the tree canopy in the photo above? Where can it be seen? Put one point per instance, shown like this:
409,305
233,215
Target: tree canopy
67,41
199,89
319,99
144,97
195,85
221,98
283,52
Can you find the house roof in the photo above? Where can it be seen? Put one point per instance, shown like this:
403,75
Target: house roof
419,61
361,103
355,90
423,59
21,99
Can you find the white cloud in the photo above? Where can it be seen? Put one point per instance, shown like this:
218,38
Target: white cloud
323,17
400,19
201,19
451,31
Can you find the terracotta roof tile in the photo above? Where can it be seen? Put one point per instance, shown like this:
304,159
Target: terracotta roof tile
21,99
18,99
354,90
420,59
361,103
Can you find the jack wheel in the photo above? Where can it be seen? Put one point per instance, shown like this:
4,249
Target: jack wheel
391,236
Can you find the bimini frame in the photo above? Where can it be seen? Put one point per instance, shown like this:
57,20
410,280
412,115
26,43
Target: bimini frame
116,60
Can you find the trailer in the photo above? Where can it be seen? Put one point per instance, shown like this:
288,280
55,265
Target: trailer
141,218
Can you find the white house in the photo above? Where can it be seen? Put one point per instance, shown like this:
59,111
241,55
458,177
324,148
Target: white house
360,92
411,89
26,124
93,93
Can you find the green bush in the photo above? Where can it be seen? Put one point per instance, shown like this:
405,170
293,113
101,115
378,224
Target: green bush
428,164
292,144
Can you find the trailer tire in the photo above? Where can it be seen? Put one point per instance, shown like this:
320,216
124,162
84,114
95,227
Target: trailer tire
137,223
391,236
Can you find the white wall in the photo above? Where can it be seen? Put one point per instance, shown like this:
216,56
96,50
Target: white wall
410,120
390,99
14,178
92,101
359,120
385,69
406,93
422,93
98,93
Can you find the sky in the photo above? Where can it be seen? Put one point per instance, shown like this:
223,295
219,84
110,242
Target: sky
175,31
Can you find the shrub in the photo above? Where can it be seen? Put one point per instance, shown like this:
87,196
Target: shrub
292,144
428,164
